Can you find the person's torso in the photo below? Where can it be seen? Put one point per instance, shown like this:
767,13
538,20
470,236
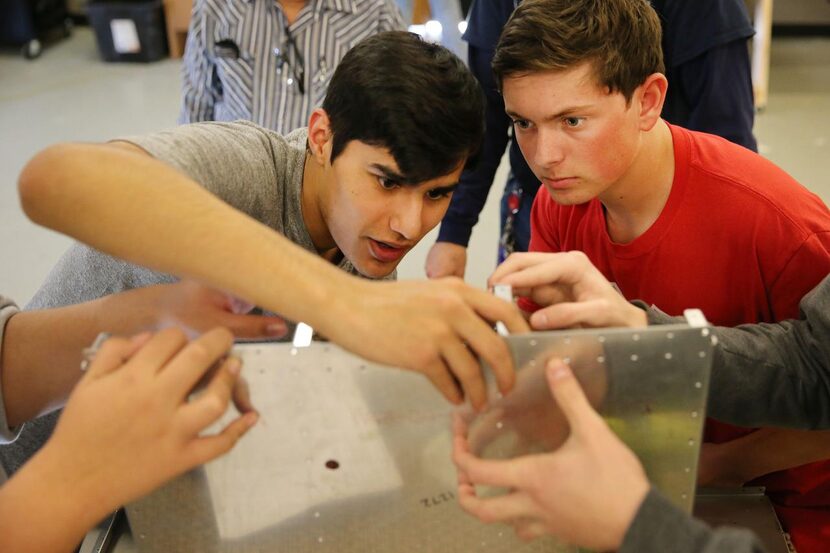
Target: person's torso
260,59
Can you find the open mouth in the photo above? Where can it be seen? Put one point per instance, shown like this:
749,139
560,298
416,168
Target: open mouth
386,252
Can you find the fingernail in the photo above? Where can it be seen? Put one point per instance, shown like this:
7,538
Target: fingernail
251,418
558,370
234,365
275,329
540,319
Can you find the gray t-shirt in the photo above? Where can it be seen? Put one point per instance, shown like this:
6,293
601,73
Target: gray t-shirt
251,168
255,170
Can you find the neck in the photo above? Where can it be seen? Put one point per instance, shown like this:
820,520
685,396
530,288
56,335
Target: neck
312,210
635,202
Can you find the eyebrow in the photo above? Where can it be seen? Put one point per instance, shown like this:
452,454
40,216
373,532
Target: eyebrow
445,189
394,176
389,173
560,115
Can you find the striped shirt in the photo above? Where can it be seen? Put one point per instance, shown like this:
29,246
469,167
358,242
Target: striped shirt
240,63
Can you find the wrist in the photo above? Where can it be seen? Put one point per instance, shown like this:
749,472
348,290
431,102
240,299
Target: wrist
635,498
340,305
73,501
126,313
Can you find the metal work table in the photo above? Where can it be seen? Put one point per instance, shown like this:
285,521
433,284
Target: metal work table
352,456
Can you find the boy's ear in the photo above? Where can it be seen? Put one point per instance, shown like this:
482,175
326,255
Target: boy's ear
319,136
651,95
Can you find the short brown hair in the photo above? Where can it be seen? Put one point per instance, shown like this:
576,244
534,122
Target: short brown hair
622,38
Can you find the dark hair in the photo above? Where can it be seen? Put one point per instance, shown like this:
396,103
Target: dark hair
622,38
415,98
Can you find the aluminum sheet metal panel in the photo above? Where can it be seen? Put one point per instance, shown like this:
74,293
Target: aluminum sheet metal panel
350,456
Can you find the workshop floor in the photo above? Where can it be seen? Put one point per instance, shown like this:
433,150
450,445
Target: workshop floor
69,94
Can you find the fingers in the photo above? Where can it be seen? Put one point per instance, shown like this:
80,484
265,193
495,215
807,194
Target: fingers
253,327
569,396
515,263
504,508
550,269
241,396
439,374
194,360
529,529
468,372
502,474
495,309
481,338
207,448
114,353
155,354
213,402
593,313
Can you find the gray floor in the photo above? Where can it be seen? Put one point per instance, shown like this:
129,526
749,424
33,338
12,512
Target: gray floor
68,94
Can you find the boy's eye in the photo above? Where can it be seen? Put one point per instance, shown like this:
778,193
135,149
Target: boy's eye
573,121
438,194
387,184
521,124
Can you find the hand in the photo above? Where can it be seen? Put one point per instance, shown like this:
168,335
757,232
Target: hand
446,259
718,468
529,416
586,493
433,327
569,289
195,307
128,426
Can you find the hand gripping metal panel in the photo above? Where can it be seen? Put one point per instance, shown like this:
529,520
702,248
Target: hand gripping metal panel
350,456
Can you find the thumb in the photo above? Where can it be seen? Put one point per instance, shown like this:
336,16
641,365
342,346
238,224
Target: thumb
569,395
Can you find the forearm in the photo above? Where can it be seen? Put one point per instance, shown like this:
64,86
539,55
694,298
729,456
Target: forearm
773,449
41,352
773,374
142,210
44,510
660,526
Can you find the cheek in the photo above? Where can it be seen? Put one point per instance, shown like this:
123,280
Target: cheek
433,213
611,152
527,145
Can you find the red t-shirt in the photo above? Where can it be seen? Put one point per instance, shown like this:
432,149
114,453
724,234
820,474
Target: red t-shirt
738,238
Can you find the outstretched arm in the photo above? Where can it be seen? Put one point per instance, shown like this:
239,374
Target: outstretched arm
140,209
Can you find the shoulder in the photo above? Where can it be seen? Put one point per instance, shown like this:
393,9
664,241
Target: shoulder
738,178
692,28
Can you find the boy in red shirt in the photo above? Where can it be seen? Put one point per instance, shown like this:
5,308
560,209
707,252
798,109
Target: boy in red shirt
676,218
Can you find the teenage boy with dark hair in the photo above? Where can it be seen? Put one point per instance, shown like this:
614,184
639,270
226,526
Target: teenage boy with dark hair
674,217
361,186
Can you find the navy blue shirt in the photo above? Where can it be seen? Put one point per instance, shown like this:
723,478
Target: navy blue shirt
705,24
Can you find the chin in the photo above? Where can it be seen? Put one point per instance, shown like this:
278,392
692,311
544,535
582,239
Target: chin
373,268
570,198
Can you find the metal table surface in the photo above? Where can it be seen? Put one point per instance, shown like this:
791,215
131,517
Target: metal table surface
352,456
